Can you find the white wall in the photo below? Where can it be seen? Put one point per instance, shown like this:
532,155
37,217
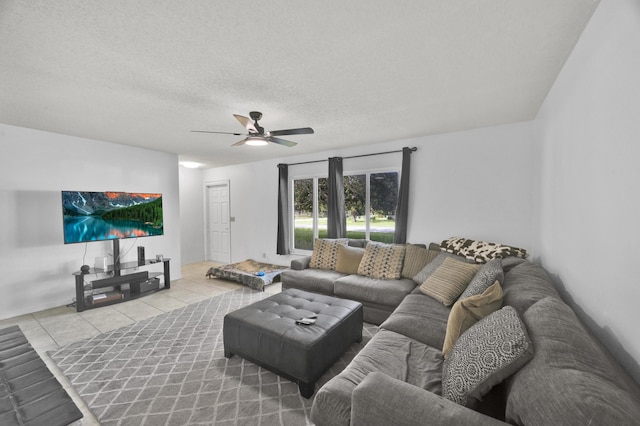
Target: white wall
36,266
254,205
565,186
476,184
191,215
589,174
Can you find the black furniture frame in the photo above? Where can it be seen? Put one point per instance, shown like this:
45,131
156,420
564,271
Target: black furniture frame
122,283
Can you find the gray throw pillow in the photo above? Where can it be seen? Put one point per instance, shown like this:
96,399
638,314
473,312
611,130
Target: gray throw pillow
489,273
487,353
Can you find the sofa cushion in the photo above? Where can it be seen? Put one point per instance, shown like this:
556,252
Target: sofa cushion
376,314
349,259
300,263
420,317
490,351
466,312
357,242
510,262
449,280
382,261
485,277
389,353
365,289
480,251
325,253
382,400
571,379
314,280
416,258
430,267
526,284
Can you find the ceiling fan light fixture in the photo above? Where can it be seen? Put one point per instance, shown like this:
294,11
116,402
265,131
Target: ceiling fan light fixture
190,164
255,141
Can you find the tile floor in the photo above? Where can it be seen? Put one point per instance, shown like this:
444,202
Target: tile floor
53,328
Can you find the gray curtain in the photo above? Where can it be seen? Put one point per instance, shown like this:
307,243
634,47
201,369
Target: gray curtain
284,228
402,210
336,217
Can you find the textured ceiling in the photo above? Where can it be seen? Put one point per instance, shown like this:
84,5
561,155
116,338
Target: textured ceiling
146,72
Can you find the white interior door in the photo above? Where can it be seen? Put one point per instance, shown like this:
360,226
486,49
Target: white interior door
218,229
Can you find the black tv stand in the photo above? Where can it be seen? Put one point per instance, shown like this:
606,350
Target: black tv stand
122,287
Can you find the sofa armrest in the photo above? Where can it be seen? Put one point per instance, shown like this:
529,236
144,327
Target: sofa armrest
301,263
383,400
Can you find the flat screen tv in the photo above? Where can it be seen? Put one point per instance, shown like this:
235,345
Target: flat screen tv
100,216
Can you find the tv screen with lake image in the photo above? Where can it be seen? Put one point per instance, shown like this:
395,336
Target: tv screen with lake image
99,216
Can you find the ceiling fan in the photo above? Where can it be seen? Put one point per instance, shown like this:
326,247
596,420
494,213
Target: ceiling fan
256,135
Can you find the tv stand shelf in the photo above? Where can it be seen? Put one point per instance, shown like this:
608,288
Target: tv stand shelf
124,286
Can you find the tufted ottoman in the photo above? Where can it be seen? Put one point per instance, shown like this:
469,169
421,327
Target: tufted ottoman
266,334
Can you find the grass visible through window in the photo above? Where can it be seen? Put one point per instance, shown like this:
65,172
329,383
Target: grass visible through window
304,236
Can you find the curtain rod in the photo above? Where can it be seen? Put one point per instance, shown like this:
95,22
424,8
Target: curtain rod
414,149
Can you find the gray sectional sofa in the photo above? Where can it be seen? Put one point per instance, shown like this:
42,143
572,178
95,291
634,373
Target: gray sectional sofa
565,376
379,297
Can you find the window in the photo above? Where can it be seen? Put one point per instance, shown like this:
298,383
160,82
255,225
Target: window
303,214
370,207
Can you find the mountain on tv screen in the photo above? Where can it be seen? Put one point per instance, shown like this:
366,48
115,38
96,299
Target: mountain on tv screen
99,216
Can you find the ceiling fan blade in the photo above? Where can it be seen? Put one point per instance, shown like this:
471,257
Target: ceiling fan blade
282,141
301,131
240,142
220,133
246,123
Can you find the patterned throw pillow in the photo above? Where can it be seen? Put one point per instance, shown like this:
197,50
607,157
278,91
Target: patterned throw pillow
486,276
349,259
449,280
431,267
487,353
480,251
382,261
466,312
415,259
325,253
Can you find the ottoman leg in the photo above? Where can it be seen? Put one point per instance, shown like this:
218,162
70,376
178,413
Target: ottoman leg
306,389
227,353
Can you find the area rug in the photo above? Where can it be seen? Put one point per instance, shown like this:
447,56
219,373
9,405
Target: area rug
253,274
171,370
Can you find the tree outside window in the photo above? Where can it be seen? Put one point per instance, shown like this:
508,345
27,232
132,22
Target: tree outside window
370,207
303,214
